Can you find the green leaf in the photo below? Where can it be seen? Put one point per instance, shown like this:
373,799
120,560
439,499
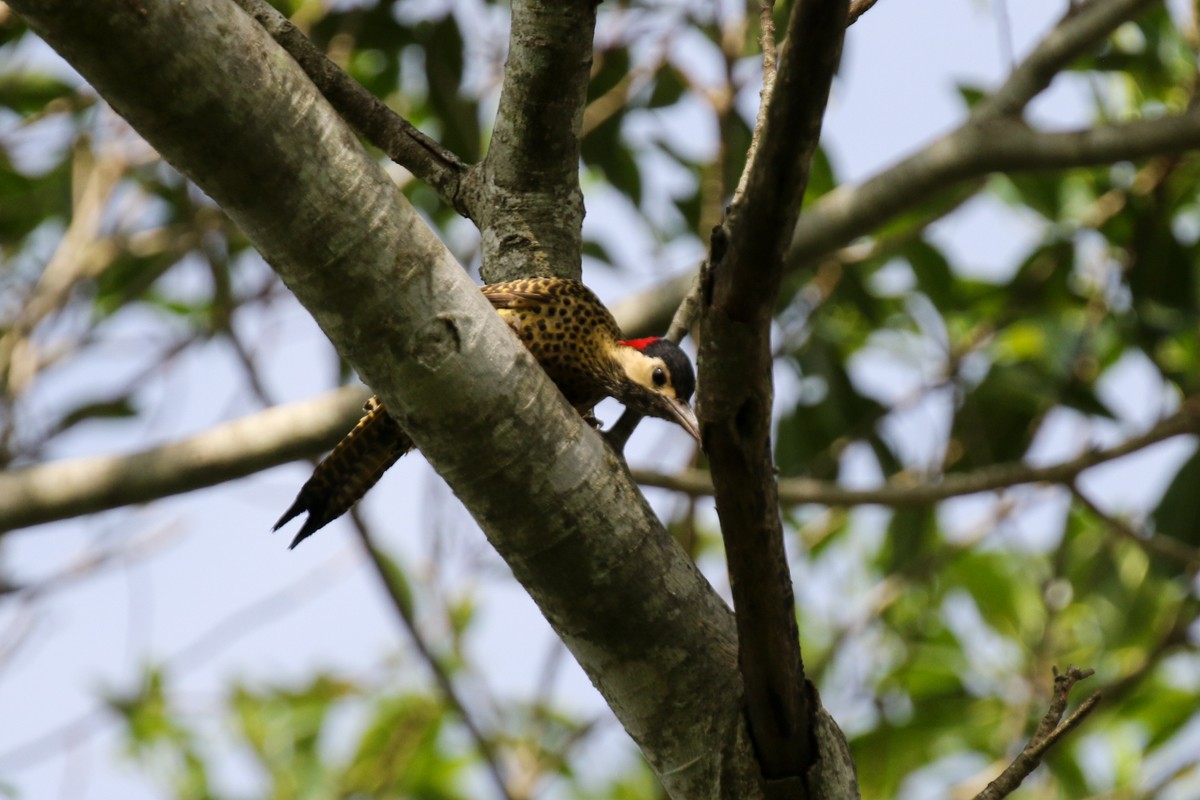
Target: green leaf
27,203
460,130
610,68
821,177
116,408
1178,513
911,536
669,86
998,418
595,249
935,278
971,94
29,92
808,436
604,148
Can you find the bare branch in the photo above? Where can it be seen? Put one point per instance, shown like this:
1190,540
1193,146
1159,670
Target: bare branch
976,148
766,40
1081,29
904,493
428,160
738,292
64,489
1050,730
972,152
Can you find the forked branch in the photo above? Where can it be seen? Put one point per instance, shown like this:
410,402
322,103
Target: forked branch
1050,730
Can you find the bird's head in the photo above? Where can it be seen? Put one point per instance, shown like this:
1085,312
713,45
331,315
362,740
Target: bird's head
655,378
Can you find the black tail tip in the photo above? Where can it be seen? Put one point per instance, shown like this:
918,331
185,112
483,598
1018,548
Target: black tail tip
294,510
312,524
318,517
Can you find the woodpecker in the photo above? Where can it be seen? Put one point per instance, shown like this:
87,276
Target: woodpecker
576,341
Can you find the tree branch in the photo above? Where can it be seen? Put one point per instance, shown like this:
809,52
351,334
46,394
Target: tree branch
965,155
383,127
907,494
971,152
738,295
770,57
1082,28
1050,730
532,212
1162,545
69,488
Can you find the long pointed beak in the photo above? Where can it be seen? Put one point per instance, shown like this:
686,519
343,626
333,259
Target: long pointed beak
682,413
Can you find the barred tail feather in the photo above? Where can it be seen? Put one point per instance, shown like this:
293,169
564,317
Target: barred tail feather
350,469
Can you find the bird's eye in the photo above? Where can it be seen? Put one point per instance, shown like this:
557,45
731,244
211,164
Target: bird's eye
659,377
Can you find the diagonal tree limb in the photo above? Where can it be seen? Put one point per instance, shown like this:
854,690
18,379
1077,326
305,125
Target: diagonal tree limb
738,294
1162,545
69,488
1082,28
971,152
954,161
401,140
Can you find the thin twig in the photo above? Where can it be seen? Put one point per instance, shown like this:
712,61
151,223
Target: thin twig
766,40
1004,32
1155,544
616,99
687,312
900,493
1050,730
402,605
81,254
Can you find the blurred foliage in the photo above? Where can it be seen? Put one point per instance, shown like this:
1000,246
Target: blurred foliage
399,747
939,653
